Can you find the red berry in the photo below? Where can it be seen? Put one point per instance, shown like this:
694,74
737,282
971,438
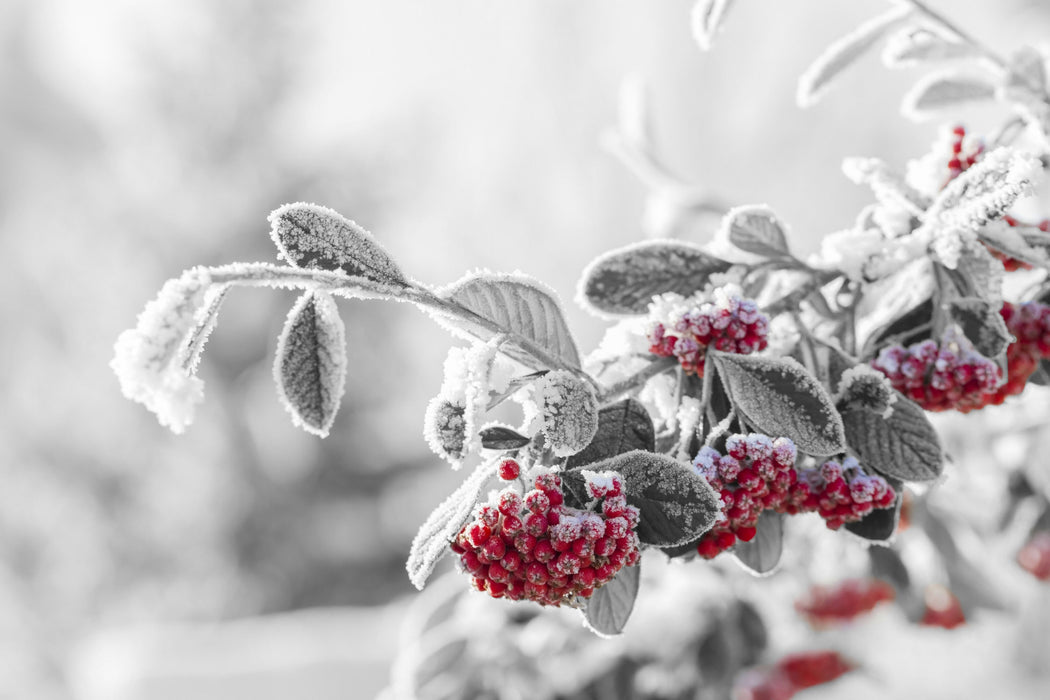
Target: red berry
509,470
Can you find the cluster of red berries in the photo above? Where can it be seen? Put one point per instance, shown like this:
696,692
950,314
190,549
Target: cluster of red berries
940,377
1012,264
953,376
960,162
826,605
730,324
533,547
1034,557
758,473
791,674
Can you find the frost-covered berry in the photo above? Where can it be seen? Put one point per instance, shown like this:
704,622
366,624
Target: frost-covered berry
684,328
535,548
509,470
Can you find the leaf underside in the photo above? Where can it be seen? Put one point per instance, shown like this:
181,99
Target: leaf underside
610,607
762,554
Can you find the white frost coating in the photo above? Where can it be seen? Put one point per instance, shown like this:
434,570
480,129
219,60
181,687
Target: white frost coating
843,52
874,385
849,251
889,187
466,386
944,90
688,417
149,359
929,173
603,481
569,411
659,398
914,45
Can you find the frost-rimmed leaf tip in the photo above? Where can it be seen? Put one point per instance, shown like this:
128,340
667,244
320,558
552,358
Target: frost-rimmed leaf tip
152,360
312,236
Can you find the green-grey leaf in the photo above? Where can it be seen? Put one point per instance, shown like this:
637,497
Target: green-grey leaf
780,398
624,281
755,229
610,607
622,427
904,446
762,554
982,324
941,91
500,437
310,366
312,236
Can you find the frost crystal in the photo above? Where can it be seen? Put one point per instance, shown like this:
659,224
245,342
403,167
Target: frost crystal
569,411
149,359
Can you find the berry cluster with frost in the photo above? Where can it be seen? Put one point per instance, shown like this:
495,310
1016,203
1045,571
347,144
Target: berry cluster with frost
758,473
1029,323
823,605
951,375
685,328
534,547
952,154
791,674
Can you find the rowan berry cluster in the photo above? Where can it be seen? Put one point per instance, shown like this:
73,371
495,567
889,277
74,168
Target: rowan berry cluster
791,674
940,377
730,323
824,605
758,473
532,546
962,157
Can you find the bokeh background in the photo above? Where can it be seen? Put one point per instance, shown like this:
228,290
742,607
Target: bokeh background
137,139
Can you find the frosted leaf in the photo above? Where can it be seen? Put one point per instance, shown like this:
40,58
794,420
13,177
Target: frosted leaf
889,187
622,427
523,312
905,445
893,296
624,281
676,504
1026,243
755,229
445,429
929,173
502,437
310,366
762,554
570,412
205,319
312,236
777,396
609,608
844,52
915,45
432,540
1027,71
945,90
151,360
978,274
864,388
706,20
982,325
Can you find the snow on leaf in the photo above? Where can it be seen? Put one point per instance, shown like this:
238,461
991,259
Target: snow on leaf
432,540
610,607
914,45
944,90
205,319
151,360
762,554
904,446
623,281
1026,243
977,274
844,52
779,397
982,324
310,367
622,427
892,297
863,388
880,524
569,409
756,229
502,437
445,429
888,186
516,307
676,504
706,20
312,236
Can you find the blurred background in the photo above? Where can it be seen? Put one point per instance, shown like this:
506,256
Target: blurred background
137,139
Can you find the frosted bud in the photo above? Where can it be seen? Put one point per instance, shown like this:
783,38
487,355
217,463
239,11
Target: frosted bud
151,360
569,410
445,429
866,388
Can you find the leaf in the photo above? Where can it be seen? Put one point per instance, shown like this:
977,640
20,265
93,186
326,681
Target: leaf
914,45
778,397
1027,71
677,505
500,437
880,524
978,274
982,324
755,229
1025,243
205,317
762,554
941,91
844,52
312,236
610,607
706,19
434,536
310,367
518,307
622,427
904,446
624,281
